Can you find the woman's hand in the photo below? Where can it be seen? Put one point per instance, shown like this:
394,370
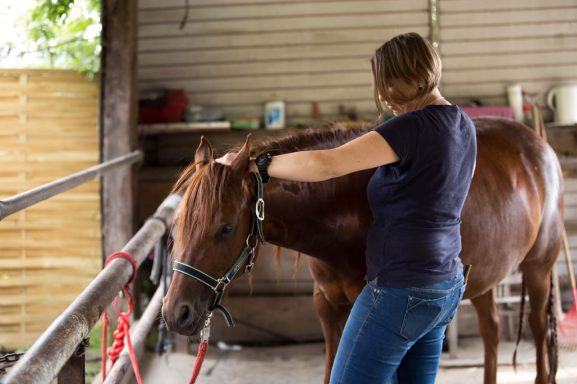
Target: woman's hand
227,159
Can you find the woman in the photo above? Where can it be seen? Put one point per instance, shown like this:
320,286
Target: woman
425,159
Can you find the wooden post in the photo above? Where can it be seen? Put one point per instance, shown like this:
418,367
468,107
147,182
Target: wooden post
118,118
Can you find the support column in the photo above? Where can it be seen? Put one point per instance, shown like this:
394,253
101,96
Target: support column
118,118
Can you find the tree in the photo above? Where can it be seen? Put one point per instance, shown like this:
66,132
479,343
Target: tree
64,34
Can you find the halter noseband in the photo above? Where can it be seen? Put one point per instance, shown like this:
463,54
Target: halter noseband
219,285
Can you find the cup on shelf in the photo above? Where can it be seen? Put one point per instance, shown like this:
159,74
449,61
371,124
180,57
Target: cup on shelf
515,98
274,115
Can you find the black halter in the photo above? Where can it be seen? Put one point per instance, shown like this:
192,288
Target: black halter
219,285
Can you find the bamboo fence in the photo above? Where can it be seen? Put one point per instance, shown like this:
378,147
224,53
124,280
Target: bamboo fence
49,252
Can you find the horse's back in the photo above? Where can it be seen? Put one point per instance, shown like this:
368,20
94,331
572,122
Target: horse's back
515,201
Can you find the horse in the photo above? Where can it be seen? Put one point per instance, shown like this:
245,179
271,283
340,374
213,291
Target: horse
512,219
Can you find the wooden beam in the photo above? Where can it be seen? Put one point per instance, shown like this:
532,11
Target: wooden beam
118,118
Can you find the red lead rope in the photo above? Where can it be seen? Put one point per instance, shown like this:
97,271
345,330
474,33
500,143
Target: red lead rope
202,348
123,330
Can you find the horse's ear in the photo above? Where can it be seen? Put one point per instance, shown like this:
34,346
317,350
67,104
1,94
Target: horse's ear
240,163
203,153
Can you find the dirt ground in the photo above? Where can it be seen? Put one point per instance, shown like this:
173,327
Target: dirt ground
304,364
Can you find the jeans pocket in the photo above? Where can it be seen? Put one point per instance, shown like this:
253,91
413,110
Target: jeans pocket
421,315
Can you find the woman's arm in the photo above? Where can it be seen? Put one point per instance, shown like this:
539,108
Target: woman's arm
368,151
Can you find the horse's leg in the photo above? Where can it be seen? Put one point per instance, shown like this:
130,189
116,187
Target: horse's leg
538,282
333,296
488,316
333,320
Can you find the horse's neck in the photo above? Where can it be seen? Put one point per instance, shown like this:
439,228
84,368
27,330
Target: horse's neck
317,218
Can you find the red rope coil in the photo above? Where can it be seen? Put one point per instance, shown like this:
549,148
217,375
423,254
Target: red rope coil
123,329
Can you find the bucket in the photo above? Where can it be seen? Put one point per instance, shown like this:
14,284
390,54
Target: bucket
274,115
562,99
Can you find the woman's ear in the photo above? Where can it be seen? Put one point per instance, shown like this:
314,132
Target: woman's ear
203,153
240,164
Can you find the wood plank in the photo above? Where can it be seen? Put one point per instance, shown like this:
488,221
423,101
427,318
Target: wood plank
43,74
489,89
256,13
50,108
269,83
147,4
286,24
41,281
507,31
509,75
504,60
256,55
59,89
23,299
509,45
464,6
29,318
288,95
10,340
492,17
270,39
232,70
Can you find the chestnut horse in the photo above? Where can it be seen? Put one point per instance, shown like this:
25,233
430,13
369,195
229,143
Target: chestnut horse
512,219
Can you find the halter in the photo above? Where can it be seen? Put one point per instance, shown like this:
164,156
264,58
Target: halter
219,285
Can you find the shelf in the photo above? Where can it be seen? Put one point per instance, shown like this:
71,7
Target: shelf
169,128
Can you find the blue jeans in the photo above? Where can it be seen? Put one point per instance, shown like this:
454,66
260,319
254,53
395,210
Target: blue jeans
395,335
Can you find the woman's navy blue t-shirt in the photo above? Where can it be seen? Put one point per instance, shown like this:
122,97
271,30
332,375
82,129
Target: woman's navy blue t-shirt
415,239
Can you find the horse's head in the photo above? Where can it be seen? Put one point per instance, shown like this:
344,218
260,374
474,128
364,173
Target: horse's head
214,236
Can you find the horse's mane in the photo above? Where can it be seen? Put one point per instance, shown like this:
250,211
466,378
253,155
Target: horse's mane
320,137
204,188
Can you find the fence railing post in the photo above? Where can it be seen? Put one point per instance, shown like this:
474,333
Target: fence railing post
51,351
26,199
74,371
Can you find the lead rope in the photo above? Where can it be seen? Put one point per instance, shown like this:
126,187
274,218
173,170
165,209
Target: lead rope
123,328
202,349
123,331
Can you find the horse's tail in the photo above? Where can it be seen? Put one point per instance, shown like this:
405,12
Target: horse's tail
521,316
552,346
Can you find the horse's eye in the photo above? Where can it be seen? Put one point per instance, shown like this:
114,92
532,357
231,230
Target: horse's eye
226,229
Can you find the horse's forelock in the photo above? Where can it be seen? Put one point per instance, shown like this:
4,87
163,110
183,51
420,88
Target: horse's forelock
203,192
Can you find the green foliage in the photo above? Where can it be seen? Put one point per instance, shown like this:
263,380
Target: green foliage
67,33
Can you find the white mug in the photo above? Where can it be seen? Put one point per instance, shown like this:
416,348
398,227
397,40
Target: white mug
562,99
515,98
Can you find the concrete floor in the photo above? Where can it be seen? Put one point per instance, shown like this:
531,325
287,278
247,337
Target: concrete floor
304,364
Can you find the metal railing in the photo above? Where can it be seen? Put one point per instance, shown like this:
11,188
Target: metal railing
57,345
44,192
55,352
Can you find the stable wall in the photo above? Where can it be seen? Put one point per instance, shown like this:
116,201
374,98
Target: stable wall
236,55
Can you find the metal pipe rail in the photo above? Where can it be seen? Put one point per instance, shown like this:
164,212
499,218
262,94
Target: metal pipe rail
46,191
52,350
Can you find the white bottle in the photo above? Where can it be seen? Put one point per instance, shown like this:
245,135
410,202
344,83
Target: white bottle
274,115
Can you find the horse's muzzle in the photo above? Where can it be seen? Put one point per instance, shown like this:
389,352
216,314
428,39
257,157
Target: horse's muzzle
183,318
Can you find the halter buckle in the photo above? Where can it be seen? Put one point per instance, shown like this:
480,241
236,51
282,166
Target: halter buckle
259,209
221,284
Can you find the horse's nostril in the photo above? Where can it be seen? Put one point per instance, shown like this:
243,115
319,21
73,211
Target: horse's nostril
183,314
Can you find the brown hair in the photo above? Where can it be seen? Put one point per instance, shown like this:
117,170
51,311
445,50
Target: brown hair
409,58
